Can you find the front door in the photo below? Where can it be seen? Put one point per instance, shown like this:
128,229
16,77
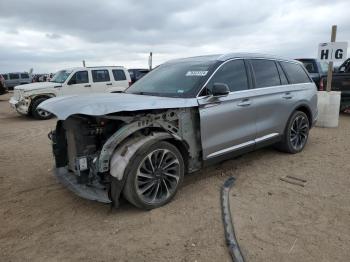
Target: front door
227,123
77,84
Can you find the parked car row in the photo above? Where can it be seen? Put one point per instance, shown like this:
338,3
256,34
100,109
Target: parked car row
15,79
181,116
75,81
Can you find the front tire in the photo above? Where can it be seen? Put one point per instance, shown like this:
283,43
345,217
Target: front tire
154,175
296,133
38,113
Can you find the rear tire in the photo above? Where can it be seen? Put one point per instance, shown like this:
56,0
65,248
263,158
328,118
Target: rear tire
154,175
296,133
39,113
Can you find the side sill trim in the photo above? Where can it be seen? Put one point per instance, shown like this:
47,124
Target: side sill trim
245,144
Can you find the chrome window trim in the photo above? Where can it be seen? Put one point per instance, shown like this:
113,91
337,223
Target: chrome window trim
245,144
254,89
249,58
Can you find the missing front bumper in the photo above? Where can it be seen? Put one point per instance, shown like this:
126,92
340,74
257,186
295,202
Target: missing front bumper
91,192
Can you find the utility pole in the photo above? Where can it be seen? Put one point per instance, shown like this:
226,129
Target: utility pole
330,65
150,61
83,63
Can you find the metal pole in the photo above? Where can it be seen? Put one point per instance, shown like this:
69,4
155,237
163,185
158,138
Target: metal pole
150,61
330,65
83,63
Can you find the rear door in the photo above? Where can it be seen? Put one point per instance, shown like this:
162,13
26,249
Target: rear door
227,123
273,98
120,81
101,80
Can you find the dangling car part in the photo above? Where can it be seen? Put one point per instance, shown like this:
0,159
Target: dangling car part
230,236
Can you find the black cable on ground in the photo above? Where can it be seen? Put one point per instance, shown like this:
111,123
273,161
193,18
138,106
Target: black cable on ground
230,236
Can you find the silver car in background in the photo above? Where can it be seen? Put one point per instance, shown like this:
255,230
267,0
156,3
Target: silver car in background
184,114
16,79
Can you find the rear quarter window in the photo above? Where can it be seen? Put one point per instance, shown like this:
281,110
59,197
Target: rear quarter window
295,73
119,75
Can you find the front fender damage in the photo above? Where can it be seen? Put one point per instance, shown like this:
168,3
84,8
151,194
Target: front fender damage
127,150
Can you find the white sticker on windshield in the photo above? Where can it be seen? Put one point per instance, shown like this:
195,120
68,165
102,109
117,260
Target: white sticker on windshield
196,73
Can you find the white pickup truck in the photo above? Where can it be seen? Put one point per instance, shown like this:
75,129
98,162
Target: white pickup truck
75,81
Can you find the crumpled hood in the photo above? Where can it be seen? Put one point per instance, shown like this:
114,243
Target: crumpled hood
103,104
36,86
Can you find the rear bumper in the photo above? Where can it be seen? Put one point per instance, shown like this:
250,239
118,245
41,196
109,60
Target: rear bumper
91,192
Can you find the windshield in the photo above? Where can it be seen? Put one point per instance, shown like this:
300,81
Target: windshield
324,67
180,79
310,66
61,76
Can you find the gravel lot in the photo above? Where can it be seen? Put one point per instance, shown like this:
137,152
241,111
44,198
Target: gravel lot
275,221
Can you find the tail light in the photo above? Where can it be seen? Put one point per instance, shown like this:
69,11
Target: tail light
321,85
130,83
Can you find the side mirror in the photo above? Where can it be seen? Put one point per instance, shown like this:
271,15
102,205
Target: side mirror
220,89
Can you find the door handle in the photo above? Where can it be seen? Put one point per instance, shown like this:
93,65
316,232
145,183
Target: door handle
109,84
287,95
245,102
87,85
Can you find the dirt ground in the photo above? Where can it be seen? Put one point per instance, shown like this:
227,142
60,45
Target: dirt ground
40,220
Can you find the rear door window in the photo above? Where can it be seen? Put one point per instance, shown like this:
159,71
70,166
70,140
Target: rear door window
101,75
232,73
295,73
14,76
119,75
265,72
24,75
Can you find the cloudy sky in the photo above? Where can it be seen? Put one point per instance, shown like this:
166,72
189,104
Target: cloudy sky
50,35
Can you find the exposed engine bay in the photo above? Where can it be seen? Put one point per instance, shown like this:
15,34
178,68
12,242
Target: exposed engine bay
91,151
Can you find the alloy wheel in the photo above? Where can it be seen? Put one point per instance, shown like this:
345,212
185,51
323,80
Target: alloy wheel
42,113
157,176
299,132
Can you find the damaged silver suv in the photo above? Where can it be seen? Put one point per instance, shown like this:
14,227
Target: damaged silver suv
184,114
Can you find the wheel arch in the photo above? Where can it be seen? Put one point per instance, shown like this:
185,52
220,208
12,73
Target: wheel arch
124,152
305,109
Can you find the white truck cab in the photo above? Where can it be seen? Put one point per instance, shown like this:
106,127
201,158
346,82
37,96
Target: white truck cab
74,81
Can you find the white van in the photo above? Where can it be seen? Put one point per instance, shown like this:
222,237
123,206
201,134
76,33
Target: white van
75,81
